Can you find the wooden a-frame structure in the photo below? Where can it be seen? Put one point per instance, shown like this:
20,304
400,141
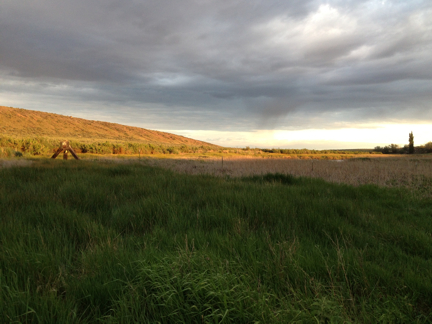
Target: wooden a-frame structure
65,148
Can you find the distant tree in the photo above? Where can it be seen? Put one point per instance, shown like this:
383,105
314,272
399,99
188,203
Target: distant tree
378,149
428,147
411,143
394,148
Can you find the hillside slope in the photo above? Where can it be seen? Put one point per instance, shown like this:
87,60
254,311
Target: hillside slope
18,122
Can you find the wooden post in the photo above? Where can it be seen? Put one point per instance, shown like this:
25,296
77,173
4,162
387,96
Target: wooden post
65,148
57,153
73,153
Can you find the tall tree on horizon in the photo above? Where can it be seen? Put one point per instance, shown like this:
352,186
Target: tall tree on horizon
411,143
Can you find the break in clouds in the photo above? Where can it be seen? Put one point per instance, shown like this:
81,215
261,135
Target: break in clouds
220,65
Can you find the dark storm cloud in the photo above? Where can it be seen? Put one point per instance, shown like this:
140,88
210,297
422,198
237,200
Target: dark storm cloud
223,64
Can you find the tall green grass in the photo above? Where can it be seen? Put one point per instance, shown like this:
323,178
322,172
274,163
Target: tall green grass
86,242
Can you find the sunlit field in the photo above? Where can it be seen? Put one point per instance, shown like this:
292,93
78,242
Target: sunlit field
409,171
414,172
254,240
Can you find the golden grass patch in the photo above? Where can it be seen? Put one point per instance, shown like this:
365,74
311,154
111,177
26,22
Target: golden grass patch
414,172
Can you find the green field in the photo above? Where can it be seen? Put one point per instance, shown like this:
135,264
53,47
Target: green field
94,241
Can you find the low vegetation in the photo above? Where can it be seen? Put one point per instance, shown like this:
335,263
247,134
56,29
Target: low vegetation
411,172
97,241
47,146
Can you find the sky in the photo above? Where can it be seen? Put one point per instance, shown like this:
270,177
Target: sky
269,73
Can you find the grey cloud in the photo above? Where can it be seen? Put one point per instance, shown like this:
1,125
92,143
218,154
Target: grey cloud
223,64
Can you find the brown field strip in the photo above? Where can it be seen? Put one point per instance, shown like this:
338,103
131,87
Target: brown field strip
413,172
409,171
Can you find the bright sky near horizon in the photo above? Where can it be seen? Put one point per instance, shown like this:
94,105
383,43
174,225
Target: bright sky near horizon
290,74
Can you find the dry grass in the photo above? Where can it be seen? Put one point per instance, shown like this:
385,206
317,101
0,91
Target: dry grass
9,163
21,123
413,172
409,171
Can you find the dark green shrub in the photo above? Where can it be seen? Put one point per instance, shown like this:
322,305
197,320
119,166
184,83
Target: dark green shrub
172,150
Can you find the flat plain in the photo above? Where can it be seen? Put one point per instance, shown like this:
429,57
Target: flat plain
191,241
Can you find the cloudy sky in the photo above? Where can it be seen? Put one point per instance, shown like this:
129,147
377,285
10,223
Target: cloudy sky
263,73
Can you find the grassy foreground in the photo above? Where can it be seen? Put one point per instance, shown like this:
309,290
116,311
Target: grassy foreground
86,242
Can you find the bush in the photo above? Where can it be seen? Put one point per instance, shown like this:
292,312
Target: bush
84,148
184,149
428,147
118,149
6,152
172,150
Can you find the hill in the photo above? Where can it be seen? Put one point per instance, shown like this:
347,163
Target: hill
20,123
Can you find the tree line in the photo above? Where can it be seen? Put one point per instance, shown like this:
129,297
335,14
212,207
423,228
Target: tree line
406,149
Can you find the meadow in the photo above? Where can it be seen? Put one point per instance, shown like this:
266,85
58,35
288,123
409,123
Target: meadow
131,241
413,172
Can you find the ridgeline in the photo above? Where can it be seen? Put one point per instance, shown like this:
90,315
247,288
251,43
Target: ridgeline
23,123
